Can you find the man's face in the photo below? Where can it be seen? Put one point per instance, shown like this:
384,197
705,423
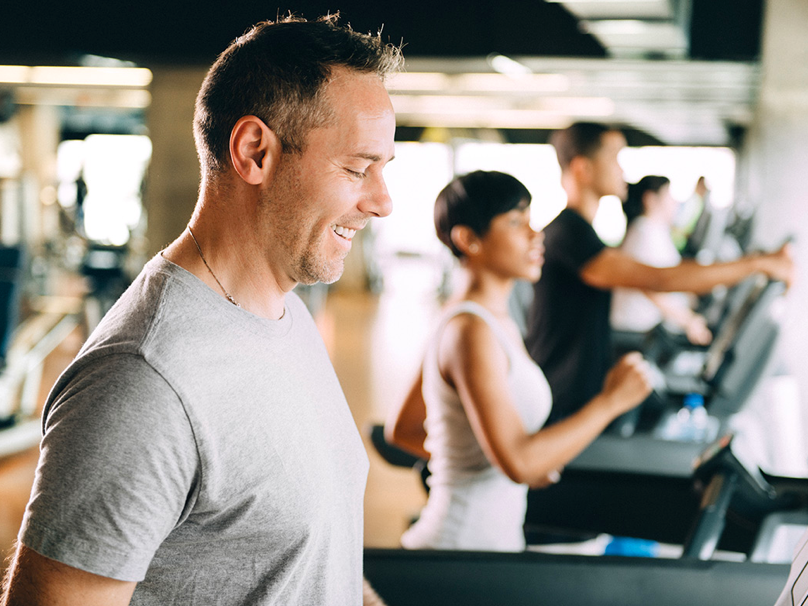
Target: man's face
607,175
318,199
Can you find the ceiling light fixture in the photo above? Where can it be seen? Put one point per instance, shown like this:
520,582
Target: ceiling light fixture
506,65
42,75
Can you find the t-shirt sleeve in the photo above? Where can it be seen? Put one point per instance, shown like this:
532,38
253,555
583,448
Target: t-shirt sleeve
117,470
572,242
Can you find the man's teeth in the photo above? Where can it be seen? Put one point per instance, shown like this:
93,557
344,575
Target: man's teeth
343,231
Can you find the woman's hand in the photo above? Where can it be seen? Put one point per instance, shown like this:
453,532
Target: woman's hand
628,383
696,330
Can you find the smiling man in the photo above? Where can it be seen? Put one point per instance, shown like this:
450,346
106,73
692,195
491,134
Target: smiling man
199,450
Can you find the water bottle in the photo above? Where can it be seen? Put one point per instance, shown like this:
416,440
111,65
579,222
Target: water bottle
691,423
629,546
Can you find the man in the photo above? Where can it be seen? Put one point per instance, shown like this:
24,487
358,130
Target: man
796,591
199,450
568,330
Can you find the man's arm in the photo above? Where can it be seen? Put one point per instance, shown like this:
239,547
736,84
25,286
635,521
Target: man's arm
34,580
613,268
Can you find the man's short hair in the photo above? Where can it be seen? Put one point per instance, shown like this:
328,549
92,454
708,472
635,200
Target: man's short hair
578,139
277,71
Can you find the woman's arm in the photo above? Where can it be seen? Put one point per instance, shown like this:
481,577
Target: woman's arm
472,359
676,312
369,595
405,426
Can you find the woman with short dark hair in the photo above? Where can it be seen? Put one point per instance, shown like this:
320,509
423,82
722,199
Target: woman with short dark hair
479,403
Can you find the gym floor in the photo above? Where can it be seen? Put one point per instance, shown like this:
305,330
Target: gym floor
376,344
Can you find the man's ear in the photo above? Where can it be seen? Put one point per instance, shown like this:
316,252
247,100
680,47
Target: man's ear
581,169
254,149
465,240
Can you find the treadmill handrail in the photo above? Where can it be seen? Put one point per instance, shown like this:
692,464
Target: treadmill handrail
728,335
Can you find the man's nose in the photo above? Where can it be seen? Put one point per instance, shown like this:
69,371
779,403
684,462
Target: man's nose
377,202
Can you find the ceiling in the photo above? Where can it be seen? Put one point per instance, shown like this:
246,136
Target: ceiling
680,71
635,28
676,103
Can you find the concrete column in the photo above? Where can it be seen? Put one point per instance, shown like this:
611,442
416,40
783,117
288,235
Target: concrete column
775,160
39,137
173,179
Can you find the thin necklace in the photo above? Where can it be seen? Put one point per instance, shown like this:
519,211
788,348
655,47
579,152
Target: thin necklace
201,256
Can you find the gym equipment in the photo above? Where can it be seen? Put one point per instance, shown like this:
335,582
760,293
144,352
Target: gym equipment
732,491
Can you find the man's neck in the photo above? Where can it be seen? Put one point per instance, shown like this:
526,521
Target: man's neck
586,206
227,260
580,198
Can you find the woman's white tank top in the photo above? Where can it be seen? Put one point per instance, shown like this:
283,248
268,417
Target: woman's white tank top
472,504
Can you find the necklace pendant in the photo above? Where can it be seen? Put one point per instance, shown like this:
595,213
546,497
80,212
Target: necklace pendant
201,256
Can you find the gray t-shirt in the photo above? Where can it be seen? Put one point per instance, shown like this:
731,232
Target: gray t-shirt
203,451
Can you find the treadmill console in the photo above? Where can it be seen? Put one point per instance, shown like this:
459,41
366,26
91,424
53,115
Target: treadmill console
722,457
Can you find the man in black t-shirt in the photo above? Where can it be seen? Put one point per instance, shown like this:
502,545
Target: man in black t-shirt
568,332
568,328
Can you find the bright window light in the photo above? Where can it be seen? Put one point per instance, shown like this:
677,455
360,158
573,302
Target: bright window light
112,167
610,221
69,164
418,81
10,156
683,166
421,170
534,165
478,83
414,180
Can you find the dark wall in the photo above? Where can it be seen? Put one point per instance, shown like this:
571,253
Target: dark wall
726,30
195,32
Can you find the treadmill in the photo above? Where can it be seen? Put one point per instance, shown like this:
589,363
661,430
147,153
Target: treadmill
730,490
728,370
626,477
725,373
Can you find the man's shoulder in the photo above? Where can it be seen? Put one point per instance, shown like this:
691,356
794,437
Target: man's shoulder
128,322
566,222
570,235
144,327
165,306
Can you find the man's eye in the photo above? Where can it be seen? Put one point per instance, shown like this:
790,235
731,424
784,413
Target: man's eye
356,174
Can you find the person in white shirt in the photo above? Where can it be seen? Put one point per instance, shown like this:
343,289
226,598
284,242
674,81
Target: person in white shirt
650,210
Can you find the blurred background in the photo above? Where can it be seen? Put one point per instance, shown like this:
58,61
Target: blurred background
98,170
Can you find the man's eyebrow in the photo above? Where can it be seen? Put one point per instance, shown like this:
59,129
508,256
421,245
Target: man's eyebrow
371,157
